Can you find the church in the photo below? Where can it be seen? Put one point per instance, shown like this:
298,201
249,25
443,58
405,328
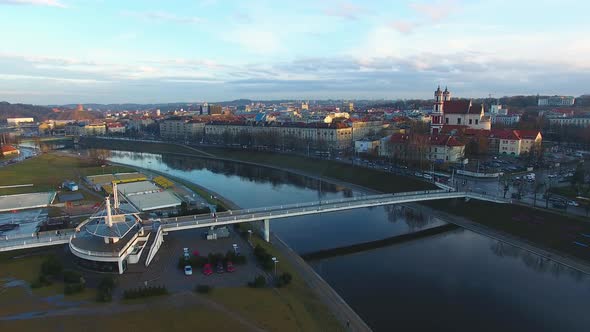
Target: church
458,112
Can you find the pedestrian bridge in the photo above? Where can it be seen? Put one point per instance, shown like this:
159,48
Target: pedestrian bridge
266,214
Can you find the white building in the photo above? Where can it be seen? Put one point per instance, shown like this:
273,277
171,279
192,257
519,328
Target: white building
17,121
366,146
556,101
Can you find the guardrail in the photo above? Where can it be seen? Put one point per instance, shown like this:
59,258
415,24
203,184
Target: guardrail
303,209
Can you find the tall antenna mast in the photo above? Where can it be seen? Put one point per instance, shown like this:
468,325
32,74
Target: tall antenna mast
115,196
109,219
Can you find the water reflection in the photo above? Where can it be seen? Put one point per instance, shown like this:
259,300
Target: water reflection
456,281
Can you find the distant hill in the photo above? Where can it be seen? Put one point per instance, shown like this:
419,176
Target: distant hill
42,113
39,113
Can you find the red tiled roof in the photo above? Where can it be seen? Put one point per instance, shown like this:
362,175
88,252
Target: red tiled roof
505,134
8,148
528,134
457,106
445,140
399,138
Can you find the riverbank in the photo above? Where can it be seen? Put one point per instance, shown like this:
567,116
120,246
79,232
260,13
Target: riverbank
542,229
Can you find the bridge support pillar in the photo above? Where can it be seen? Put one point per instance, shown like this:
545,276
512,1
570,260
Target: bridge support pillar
267,230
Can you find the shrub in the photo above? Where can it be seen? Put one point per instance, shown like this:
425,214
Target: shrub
44,280
144,292
73,288
51,266
36,284
105,289
259,282
284,279
72,277
203,289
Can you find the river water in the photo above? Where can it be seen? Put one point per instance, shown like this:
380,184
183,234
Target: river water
456,281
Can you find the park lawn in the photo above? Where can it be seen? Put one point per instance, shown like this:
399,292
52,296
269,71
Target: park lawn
295,307
544,228
370,178
153,318
46,172
21,268
149,147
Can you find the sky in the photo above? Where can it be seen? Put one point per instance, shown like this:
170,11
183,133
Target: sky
148,51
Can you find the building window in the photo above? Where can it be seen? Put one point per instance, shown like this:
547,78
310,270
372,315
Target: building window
447,121
458,121
470,121
476,121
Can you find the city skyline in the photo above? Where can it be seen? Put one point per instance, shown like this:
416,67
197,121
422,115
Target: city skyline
70,51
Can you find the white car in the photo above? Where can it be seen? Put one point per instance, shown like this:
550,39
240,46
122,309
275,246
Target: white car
188,270
573,203
428,176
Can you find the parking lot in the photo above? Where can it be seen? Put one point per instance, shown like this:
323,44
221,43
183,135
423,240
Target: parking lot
164,268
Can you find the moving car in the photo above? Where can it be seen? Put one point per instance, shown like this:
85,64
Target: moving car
573,203
185,253
188,270
207,270
230,267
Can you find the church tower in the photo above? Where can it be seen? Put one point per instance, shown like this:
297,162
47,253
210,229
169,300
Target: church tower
447,94
437,112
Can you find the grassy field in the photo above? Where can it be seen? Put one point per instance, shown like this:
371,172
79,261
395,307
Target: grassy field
149,147
370,178
545,228
152,318
46,172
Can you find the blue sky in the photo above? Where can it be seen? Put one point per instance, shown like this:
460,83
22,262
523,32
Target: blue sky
82,51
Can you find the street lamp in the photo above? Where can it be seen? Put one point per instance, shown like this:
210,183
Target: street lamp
250,236
276,261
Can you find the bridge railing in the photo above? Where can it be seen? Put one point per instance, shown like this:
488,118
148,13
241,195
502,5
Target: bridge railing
281,212
25,243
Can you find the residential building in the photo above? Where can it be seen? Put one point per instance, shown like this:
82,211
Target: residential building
366,146
507,120
578,121
445,149
116,128
515,142
556,101
94,129
329,135
181,128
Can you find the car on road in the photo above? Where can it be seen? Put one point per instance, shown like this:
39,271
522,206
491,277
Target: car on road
572,203
188,270
219,268
551,176
427,176
185,253
560,205
230,267
418,174
207,270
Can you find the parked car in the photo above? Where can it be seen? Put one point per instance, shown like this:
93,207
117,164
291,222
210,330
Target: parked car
572,203
185,253
230,267
220,267
188,270
207,270
428,176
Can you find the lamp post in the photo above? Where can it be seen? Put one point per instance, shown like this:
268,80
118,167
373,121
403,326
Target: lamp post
250,236
275,260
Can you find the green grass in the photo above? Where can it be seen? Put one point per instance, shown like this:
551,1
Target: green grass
48,171
149,147
171,318
370,178
295,307
547,229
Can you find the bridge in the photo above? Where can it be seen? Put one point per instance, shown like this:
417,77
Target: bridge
264,214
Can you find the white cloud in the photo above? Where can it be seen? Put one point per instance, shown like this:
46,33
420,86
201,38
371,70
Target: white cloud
49,3
436,11
346,10
164,16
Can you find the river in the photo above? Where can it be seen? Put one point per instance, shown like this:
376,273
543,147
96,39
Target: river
456,281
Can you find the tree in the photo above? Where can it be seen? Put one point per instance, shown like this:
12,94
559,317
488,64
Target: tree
537,188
